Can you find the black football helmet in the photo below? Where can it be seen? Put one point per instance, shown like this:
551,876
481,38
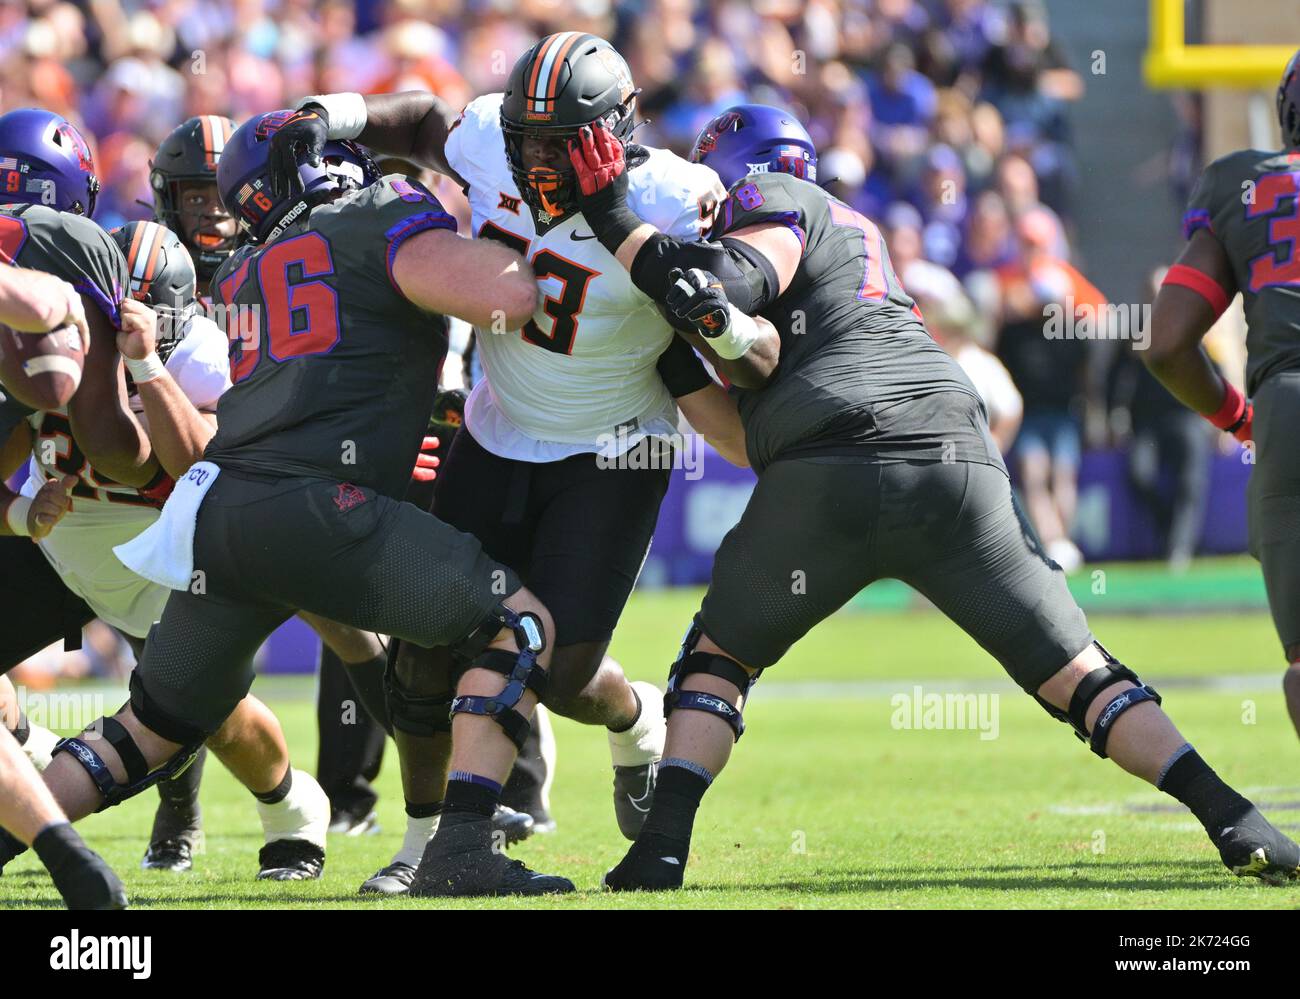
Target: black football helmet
162,277
191,154
1288,102
565,81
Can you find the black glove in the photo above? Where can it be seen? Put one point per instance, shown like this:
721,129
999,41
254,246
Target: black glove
302,137
697,298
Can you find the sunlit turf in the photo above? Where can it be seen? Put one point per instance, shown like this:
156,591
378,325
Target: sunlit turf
827,802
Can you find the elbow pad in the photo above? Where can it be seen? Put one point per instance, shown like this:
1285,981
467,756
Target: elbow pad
748,277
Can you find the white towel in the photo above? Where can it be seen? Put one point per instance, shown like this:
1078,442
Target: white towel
164,552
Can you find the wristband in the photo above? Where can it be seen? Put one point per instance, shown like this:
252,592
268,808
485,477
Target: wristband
1231,411
741,334
146,369
1199,282
345,112
16,516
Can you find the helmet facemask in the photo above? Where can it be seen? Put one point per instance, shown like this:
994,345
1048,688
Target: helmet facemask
547,189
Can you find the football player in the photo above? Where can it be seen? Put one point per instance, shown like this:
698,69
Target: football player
36,302
296,505
71,575
563,461
183,176
874,460
1241,230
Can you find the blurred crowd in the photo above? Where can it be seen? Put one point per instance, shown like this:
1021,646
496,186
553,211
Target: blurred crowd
945,120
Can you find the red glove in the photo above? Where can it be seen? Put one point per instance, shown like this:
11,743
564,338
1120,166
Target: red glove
427,463
597,159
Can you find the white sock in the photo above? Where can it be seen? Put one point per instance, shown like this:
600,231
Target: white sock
303,813
644,742
39,746
418,833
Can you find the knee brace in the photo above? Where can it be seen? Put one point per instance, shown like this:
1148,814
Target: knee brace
1088,690
411,713
688,662
138,775
519,668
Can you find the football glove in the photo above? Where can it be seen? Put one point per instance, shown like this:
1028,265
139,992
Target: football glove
301,137
602,173
697,298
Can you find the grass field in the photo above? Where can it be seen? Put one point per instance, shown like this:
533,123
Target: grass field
828,802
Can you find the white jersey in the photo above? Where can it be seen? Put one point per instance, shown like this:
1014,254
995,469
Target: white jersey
106,513
580,376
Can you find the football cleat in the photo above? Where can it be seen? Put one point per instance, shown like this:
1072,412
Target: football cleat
395,879
347,823
290,860
643,870
517,826
460,863
1254,848
173,853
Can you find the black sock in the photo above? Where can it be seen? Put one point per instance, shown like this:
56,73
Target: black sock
678,792
423,811
23,730
178,810
278,793
470,798
1215,804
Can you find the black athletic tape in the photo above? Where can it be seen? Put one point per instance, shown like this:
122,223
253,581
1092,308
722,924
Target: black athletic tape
127,751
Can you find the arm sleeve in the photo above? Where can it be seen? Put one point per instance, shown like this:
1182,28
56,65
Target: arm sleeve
681,369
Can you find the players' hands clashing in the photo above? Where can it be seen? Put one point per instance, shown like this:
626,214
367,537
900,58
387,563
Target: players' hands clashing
426,464
138,336
302,137
49,505
698,298
598,162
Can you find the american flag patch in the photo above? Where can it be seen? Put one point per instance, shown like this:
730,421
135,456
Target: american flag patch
8,163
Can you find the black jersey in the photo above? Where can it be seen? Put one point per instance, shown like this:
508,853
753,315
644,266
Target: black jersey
334,370
858,372
68,246
1250,201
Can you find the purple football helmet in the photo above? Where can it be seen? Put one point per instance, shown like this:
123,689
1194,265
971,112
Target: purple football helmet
755,138
244,176
44,160
1288,102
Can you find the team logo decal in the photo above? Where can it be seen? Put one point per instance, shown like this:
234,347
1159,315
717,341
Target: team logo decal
348,496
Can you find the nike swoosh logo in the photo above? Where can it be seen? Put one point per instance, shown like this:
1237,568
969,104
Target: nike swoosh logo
671,860
575,235
649,790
